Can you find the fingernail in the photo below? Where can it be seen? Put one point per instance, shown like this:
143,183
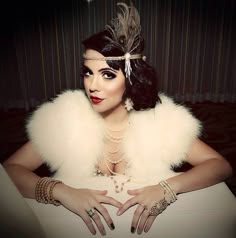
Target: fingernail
112,226
118,213
132,229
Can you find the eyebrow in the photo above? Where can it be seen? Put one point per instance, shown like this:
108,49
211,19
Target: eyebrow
100,70
85,67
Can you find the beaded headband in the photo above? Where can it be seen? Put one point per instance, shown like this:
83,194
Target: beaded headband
127,57
125,34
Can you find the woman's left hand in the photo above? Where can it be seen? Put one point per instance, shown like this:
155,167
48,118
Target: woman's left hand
146,198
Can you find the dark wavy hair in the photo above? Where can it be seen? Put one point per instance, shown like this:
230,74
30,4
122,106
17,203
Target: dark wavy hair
143,91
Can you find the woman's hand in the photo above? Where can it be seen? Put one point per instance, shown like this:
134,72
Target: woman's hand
85,201
147,198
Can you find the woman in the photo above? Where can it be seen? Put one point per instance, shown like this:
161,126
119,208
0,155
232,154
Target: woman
96,133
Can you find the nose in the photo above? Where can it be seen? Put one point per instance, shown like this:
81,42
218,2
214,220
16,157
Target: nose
94,85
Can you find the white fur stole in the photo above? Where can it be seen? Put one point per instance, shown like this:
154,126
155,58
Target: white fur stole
68,134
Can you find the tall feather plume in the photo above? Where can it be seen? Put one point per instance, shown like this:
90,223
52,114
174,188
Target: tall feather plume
125,29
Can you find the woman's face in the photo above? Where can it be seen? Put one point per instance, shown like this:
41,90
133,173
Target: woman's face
104,85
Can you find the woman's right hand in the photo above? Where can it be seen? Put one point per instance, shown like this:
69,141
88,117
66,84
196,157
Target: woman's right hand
80,201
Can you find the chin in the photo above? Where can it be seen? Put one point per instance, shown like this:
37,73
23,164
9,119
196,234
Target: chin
103,111
106,109
99,109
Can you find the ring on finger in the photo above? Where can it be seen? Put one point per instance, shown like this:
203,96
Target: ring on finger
91,212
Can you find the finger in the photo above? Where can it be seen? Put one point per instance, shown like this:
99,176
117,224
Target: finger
103,211
88,222
99,192
110,200
135,191
149,223
139,210
129,203
142,222
96,218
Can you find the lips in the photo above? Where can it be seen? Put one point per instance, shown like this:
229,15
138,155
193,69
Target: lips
96,100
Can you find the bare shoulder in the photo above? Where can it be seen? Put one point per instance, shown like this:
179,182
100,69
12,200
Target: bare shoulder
26,156
199,152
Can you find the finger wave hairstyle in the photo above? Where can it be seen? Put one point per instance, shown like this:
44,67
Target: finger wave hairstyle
143,91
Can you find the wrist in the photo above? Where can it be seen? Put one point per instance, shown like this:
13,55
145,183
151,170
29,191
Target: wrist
44,190
58,191
174,185
169,194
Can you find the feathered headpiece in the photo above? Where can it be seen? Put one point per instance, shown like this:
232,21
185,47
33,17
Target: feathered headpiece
125,29
126,35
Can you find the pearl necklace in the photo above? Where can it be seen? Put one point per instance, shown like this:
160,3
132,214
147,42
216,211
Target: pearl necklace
109,134
113,143
115,161
117,190
112,138
111,148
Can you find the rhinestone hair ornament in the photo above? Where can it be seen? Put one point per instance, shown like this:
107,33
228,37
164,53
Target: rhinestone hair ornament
126,35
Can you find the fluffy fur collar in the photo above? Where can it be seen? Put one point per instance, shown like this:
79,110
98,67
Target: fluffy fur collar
69,136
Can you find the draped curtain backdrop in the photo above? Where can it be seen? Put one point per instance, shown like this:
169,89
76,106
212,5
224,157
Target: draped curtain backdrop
190,43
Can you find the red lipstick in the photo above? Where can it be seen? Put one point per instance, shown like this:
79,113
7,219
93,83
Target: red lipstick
95,100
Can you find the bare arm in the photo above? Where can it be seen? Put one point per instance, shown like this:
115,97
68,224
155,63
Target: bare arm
209,168
20,167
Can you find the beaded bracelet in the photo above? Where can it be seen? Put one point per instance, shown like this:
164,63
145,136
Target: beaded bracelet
44,191
41,190
51,198
169,193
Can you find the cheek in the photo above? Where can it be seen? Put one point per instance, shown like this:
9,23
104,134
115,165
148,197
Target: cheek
117,89
85,85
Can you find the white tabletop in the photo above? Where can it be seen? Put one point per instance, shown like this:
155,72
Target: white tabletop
209,212
17,220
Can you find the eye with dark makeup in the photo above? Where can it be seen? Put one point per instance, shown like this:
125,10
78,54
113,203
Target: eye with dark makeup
85,71
108,74
105,72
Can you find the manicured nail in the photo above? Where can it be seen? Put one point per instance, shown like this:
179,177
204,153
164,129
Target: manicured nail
132,229
103,233
112,226
118,213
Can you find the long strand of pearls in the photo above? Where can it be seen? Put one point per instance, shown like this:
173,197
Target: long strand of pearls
117,190
112,143
114,161
112,148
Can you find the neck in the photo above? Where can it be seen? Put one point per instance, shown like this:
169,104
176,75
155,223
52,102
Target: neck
116,118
